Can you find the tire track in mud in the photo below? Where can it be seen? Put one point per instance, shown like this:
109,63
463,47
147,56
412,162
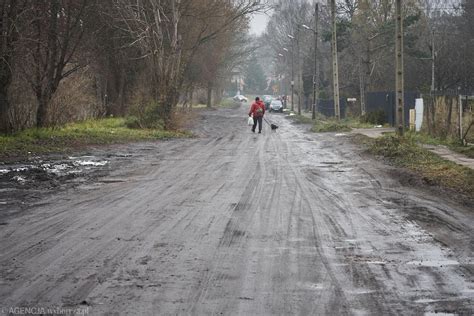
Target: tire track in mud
336,299
238,223
351,208
297,199
232,240
396,217
116,220
250,199
368,294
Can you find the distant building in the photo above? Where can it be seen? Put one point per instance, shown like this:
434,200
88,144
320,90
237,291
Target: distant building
237,80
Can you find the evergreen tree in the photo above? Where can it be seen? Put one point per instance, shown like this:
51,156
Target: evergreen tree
255,80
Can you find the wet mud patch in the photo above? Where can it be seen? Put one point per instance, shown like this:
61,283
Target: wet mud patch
440,226
428,216
24,184
27,183
412,178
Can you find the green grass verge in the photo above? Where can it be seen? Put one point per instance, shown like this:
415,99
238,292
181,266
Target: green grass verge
300,119
356,123
453,144
330,126
404,152
74,135
465,150
323,124
228,102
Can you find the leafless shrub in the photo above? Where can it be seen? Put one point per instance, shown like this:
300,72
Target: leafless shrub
182,119
74,100
22,114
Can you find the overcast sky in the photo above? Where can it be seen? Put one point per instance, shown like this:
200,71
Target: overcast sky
258,23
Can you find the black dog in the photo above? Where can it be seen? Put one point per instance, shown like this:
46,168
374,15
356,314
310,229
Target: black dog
272,126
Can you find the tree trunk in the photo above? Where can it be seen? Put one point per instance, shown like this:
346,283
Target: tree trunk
191,97
433,116
9,12
5,80
449,104
168,104
218,92
4,110
427,114
42,110
121,94
362,90
209,94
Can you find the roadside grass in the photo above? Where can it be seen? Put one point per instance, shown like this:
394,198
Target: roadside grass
331,125
432,169
453,144
228,102
300,119
323,124
73,135
465,150
355,122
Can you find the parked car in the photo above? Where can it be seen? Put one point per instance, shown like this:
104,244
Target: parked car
240,98
267,99
276,105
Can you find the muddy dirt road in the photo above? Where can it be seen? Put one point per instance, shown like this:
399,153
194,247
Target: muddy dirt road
231,222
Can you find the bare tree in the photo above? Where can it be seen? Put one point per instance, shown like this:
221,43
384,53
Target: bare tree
51,32
132,47
170,33
10,10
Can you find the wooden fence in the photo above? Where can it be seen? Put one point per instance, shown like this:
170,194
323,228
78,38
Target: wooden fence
449,117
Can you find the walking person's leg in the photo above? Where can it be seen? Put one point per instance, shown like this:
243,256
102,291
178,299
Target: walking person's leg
260,119
254,124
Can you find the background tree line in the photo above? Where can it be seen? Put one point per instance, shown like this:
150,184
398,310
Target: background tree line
65,60
366,30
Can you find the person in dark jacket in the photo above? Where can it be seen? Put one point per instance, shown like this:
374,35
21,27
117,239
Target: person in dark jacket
257,110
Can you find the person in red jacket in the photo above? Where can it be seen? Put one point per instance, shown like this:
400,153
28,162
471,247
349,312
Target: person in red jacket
257,110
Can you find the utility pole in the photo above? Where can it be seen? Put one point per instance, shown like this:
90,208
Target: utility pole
400,115
335,71
285,103
292,71
292,77
362,88
299,72
316,64
433,56
364,7
460,119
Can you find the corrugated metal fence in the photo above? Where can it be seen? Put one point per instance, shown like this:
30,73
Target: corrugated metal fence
375,101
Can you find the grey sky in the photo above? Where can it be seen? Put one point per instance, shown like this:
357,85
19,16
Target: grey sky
258,23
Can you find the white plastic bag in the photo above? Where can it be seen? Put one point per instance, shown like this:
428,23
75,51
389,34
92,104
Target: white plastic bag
250,121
